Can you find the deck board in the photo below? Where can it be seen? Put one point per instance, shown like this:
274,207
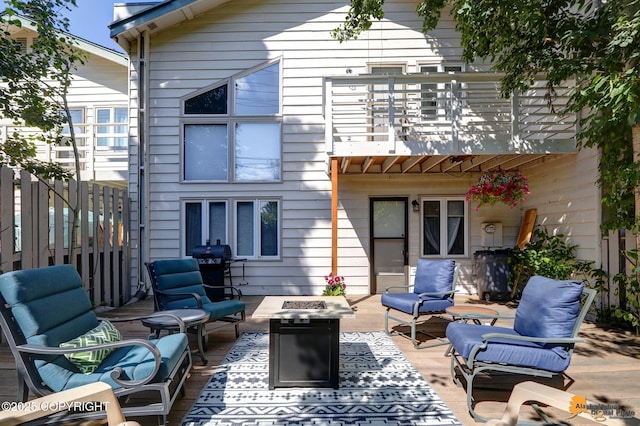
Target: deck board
605,368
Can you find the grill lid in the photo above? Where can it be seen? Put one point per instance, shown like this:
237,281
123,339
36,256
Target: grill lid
219,252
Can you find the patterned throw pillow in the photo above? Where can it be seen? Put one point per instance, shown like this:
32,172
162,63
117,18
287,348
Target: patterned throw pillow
88,362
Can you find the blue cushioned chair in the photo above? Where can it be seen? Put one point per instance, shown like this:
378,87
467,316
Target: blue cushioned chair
42,308
431,293
541,342
177,284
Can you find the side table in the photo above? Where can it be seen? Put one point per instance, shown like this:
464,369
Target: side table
473,313
192,318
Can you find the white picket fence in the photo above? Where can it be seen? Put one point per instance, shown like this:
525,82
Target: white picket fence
35,219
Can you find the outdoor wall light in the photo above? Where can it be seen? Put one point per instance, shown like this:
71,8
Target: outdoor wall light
415,205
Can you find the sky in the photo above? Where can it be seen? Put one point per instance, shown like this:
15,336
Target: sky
90,19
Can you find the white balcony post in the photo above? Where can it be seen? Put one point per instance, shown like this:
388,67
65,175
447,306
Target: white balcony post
392,130
455,116
328,115
515,121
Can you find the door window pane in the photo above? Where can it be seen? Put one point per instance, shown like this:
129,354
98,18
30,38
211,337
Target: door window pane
205,152
269,228
258,93
388,219
257,153
245,228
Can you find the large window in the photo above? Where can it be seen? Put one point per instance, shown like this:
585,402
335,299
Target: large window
235,137
250,227
444,227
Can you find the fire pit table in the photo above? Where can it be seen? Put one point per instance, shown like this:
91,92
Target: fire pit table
304,346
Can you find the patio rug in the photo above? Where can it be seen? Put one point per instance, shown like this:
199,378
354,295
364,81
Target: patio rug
378,386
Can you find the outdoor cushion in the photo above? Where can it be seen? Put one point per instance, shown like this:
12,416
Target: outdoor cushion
434,276
548,307
405,302
464,337
88,361
136,362
183,276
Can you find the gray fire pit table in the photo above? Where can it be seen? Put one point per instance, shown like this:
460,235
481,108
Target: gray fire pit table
304,339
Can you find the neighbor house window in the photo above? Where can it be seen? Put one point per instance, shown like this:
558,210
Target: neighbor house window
112,127
64,154
444,227
235,137
250,227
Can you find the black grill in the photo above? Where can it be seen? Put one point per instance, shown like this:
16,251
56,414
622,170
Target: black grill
214,261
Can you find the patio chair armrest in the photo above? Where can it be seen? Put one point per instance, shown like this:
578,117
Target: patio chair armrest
401,287
173,294
116,372
421,296
237,291
503,336
181,325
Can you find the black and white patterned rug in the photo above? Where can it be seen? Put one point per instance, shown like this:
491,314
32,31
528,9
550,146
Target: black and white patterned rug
378,386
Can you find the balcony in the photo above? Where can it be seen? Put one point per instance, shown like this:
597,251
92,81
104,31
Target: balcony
103,151
441,122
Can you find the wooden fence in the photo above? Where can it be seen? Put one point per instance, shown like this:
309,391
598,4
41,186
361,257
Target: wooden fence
35,222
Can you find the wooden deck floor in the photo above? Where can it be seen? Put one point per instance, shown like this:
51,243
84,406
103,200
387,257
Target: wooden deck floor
604,369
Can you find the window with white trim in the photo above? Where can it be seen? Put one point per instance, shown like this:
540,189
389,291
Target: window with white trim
235,135
112,127
444,227
250,226
437,102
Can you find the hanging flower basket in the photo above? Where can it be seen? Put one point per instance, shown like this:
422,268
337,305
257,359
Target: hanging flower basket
503,186
335,285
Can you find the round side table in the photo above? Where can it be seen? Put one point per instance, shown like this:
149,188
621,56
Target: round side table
472,313
192,318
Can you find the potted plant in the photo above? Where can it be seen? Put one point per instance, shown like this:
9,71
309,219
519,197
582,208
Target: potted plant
335,285
504,186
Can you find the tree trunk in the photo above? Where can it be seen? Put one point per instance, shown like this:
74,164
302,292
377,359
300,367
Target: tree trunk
635,133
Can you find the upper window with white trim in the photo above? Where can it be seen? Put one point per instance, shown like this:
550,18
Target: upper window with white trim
235,135
444,227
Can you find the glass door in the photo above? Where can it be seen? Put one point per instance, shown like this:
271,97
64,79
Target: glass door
389,242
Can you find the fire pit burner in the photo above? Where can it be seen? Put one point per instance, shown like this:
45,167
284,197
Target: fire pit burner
301,304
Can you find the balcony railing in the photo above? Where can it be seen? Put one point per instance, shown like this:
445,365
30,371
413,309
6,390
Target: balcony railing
442,113
103,156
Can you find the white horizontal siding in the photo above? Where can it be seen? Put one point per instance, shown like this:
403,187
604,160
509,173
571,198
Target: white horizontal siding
241,35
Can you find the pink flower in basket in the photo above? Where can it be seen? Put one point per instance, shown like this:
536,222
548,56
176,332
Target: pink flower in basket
504,186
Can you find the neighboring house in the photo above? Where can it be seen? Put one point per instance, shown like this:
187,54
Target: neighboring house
99,102
252,126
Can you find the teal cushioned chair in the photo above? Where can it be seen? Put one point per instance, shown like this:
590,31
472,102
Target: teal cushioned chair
178,284
34,330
